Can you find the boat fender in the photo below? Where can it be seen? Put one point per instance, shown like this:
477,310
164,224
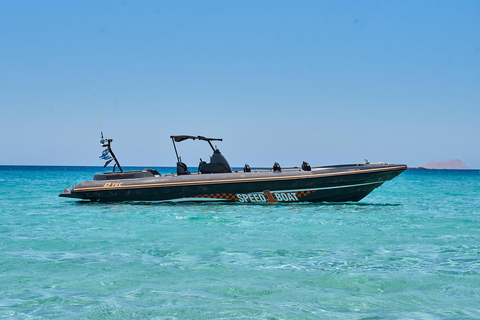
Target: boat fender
306,166
247,168
276,167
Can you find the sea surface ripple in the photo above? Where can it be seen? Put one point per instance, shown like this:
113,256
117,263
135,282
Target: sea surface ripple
410,250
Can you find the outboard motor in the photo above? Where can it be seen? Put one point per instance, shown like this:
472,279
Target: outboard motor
218,164
247,168
276,167
182,168
306,166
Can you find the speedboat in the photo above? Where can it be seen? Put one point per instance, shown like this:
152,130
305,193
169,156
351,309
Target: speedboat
216,181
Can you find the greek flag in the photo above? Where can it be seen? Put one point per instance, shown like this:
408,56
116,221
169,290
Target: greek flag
105,155
106,163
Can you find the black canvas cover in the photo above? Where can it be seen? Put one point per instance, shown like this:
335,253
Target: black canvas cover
185,137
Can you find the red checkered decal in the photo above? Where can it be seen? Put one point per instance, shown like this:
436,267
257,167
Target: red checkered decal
301,194
226,196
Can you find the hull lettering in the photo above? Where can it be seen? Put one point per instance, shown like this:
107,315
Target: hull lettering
267,196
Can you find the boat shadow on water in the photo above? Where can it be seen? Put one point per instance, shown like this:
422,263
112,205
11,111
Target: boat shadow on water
230,204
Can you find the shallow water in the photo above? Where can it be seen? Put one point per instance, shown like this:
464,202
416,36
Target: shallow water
410,250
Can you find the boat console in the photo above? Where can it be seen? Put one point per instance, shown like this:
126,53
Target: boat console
218,164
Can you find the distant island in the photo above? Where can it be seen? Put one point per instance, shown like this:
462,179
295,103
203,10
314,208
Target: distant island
453,164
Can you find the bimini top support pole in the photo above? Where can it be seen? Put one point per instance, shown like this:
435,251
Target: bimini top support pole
175,147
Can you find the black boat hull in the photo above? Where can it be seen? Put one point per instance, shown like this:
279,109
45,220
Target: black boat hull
322,184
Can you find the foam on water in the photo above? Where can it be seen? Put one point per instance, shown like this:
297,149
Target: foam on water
411,249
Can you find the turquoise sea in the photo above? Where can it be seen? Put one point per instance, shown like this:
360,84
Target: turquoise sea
410,250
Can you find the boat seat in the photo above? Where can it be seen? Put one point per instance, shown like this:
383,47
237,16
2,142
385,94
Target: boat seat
247,168
306,166
201,164
276,167
182,168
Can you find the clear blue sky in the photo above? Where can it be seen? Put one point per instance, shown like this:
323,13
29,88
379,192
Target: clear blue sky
323,81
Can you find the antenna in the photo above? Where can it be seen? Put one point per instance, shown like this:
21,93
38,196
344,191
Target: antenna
106,143
98,116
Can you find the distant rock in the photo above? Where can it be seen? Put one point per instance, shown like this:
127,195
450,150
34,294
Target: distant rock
454,164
